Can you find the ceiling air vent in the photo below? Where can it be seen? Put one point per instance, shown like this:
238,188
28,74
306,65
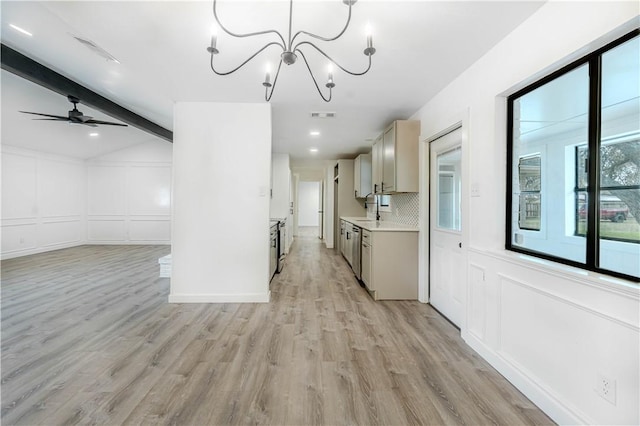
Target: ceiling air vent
320,114
96,49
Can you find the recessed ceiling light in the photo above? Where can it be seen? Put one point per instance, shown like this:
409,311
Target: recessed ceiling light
313,150
94,134
314,133
17,28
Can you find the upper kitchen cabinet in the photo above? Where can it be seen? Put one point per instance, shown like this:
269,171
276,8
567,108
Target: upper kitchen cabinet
395,158
362,175
376,165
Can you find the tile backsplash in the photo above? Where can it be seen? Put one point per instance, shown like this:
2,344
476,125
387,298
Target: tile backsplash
405,209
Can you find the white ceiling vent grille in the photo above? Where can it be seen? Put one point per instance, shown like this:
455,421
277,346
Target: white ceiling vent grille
96,49
322,114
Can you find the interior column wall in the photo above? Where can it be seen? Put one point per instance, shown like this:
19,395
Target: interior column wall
220,220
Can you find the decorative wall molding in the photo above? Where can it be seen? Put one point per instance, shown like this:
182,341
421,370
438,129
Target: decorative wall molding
503,277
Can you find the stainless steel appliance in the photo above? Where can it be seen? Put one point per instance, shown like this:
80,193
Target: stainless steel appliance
273,248
282,243
356,250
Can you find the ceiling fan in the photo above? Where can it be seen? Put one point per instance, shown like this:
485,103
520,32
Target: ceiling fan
75,116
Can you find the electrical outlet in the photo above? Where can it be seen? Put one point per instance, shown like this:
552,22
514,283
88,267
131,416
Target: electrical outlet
606,388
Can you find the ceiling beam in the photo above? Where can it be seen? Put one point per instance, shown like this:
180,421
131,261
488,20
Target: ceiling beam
25,67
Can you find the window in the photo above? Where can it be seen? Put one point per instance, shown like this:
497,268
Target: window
529,178
574,163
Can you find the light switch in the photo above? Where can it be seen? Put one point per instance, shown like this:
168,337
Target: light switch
475,189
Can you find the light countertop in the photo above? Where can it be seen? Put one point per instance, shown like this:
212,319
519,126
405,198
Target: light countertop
373,226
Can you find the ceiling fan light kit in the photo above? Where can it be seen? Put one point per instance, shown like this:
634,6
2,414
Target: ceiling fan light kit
290,51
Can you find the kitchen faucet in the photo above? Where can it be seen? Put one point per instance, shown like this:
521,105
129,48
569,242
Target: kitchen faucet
377,205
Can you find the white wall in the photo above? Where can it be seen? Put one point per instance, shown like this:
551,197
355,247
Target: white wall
129,195
43,202
280,186
550,329
220,221
328,207
308,203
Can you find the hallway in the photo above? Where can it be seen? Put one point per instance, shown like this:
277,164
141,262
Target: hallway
87,337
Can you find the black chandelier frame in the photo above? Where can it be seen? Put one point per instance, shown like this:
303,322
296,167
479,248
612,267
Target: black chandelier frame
290,51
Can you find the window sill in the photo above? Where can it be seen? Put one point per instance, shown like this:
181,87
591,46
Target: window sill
596,279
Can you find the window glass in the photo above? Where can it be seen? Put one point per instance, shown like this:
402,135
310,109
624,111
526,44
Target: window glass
574,152
449,189
529,206
548,123
619,210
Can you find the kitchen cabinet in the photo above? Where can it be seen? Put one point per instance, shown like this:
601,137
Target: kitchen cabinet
376,165
393,273
366,258
362,176
395,163
343,237
344,203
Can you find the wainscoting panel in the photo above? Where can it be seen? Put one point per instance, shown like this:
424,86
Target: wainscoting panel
476,320
61,232
106,231
150,230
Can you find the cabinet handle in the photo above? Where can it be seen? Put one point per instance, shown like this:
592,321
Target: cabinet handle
460,245
375,188
356,193
381,186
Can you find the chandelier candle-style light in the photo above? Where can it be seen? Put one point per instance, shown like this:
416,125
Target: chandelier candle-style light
290,51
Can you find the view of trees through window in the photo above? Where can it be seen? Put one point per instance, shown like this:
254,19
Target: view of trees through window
620,191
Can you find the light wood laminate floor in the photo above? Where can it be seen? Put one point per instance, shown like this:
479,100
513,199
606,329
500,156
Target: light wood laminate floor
88,337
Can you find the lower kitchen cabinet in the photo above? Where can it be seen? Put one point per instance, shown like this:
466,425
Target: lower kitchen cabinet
390,265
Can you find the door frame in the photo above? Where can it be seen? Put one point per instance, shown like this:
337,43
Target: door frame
430,134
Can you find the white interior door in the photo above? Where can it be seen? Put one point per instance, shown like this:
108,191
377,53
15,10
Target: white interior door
446,271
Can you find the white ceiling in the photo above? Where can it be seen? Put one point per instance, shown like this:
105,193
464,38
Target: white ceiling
421,47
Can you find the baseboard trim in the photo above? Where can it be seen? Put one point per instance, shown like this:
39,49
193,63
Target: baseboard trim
548,402
220,298
40,249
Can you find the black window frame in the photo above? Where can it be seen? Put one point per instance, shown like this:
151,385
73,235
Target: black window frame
594,61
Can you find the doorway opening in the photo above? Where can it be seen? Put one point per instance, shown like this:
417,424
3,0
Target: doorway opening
310,209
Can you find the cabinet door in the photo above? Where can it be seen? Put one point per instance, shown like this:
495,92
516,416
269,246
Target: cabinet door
389,159
376,165
357,176
366,266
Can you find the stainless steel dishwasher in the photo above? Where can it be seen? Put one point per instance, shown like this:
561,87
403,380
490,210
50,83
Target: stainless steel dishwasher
356,253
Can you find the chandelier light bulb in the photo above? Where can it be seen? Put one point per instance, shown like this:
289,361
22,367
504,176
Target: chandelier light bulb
369,33
214,35
267,77
330,84
214,40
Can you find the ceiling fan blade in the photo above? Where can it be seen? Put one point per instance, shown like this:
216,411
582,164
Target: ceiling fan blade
88,123
45,115
108,123
52,119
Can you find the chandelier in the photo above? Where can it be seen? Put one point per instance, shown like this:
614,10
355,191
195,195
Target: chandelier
291,47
